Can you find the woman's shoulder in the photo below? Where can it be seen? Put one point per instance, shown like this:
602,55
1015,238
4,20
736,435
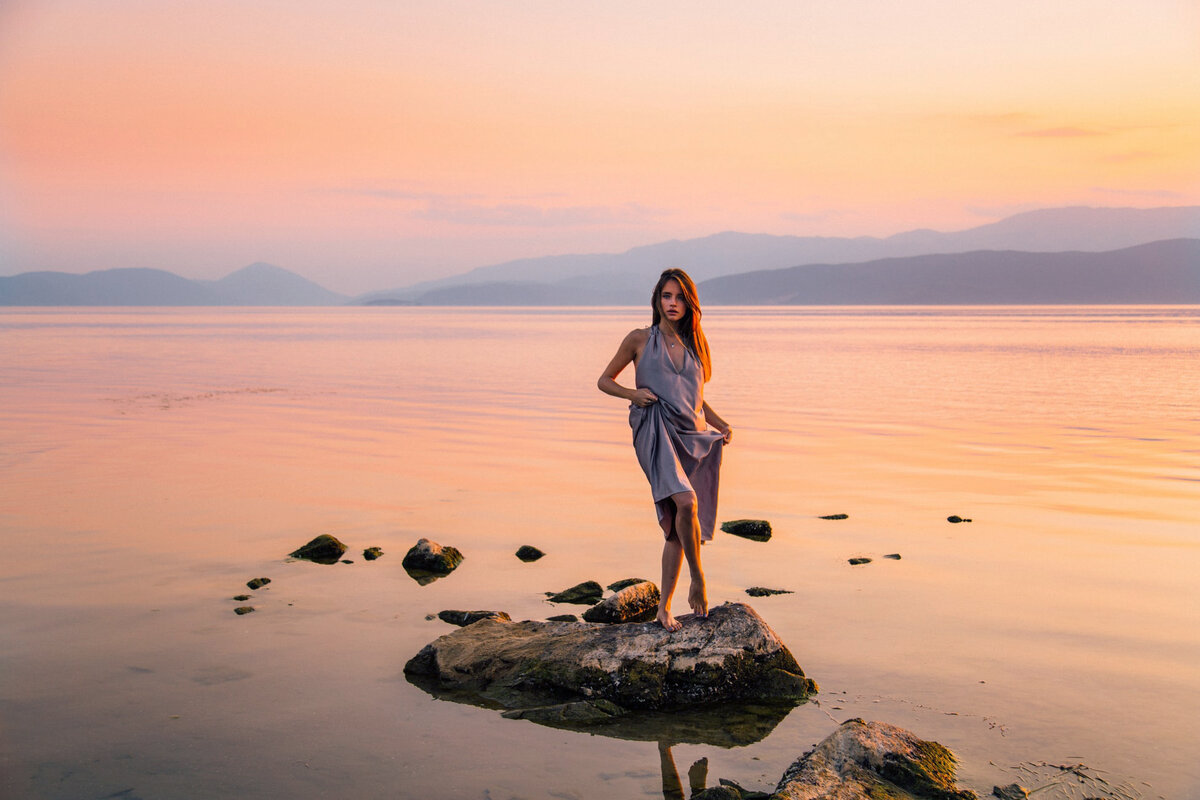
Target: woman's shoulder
639,335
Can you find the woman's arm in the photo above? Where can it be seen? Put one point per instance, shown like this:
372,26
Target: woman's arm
714,419
627,352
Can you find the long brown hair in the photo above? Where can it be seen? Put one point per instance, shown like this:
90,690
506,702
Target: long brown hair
689,326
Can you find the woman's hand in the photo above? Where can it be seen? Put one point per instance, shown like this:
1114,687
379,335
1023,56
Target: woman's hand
727,434
643,398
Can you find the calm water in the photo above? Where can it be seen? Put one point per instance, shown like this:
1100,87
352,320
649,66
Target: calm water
152,461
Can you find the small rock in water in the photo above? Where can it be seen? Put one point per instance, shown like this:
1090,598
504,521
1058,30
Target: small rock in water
563,618
528,552
1011,792
430,557
762,591
617,586
586,593
836,516
241,598
258,583
861,560
323,549
635,603
347,561
757,529
956,518
372,553
893,556
243,610
462,618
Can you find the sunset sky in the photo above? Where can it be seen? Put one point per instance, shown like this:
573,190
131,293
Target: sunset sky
367,144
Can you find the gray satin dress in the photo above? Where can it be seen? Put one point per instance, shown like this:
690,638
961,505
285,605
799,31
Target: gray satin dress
676,449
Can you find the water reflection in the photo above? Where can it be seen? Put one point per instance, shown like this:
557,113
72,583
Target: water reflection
724,725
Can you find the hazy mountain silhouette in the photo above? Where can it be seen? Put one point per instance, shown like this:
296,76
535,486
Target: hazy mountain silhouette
257,284
1160,272
624,277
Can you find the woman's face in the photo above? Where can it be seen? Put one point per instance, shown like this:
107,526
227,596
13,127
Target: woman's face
671,302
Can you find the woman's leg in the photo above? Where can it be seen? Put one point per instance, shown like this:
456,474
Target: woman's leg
672,559
687,528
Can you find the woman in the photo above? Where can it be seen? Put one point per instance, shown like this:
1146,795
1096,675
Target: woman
679,454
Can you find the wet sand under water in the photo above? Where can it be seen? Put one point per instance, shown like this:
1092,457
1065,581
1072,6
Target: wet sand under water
153,461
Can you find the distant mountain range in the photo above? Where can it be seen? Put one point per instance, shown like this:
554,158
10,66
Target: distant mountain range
1159,272
1064,255
256,285
624,278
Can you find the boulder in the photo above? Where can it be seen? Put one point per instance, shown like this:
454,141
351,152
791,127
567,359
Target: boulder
637,602
730,655
257,583
1014,791
372,553
862,760
462,618
241,610
563,618
757,529
430,558
860,560
323,549
586,593
529,553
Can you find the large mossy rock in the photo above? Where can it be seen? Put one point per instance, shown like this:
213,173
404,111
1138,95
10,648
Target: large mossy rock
637,602
871,760
731,655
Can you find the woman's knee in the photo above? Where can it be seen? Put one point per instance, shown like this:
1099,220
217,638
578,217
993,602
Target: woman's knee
685,502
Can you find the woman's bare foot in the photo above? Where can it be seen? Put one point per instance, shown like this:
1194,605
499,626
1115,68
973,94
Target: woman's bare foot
698,597
665,619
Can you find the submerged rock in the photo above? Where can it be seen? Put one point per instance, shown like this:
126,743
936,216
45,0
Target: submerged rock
835,516
240,610
757,529
563,618
893,556
862,760
462,618
323,549
956,518
241,598
529,553
586,593
428,559
637,602
762,591
258,583
860,560
730,655
372,553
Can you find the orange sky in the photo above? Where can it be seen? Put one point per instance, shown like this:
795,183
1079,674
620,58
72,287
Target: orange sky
371,144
